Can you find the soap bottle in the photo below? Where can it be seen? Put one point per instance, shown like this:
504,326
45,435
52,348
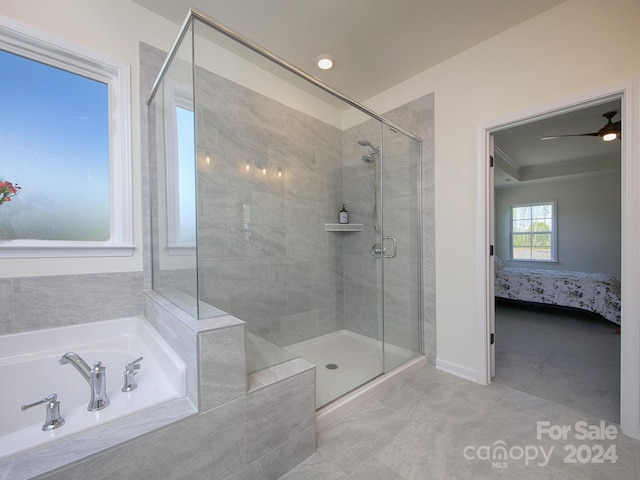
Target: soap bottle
344,215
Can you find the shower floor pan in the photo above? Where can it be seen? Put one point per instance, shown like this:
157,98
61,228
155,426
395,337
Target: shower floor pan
358,360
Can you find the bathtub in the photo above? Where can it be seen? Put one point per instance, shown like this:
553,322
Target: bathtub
29,371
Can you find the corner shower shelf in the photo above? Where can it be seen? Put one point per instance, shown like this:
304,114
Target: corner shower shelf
343,227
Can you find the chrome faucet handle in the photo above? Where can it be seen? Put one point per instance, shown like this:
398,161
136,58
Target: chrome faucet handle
130,371
135,364
53,419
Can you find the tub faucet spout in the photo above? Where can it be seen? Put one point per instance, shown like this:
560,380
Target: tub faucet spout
96,377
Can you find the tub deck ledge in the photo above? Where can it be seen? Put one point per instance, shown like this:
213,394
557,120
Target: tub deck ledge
83,444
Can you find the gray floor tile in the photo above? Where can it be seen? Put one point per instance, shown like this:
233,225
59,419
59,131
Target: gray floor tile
435,426
316,467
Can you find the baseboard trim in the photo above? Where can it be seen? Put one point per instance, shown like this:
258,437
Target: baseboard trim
457,370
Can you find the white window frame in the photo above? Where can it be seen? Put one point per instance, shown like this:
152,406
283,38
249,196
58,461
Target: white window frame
176,95
554,231
34,44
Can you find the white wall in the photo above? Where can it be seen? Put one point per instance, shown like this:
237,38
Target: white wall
115,28
555,55
588,221
111,28
558,54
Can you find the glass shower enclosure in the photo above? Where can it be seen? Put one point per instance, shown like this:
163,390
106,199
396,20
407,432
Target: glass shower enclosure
250,164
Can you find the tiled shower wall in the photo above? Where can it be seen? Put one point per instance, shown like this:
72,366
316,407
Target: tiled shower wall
417,117
400,211
264,256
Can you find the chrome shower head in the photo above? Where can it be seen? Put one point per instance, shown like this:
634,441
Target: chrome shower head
371,156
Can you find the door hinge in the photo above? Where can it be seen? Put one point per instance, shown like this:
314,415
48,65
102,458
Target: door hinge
492,339
490,161
491,250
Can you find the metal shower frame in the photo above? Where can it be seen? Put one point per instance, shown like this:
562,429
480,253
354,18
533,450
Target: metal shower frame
219,27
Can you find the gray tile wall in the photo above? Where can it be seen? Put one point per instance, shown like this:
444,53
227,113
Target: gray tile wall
34,303
362,271
207,445
264,256
417,117
257,435
263,253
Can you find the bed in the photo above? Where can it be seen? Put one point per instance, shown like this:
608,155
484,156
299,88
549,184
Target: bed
594,292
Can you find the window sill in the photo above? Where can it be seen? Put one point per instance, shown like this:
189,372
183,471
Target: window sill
531,261
35,249
181,250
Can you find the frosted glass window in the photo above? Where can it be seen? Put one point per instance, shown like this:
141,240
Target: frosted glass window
65,139
54,131
186,227
180,146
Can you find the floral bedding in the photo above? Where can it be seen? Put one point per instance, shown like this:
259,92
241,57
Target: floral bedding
595,292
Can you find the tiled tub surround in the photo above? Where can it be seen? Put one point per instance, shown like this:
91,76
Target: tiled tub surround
256,428
29,366
34,303
270,413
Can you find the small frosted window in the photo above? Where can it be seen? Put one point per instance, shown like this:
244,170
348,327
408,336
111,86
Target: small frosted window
186,175
54,132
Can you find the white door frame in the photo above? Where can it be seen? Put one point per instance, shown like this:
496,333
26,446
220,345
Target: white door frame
630,256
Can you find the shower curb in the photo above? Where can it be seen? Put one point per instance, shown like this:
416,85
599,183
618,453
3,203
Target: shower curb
345,404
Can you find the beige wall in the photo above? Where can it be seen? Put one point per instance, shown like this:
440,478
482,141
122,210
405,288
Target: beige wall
558,54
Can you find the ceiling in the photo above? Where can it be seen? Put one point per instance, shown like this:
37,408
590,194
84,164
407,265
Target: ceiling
522,156
378,44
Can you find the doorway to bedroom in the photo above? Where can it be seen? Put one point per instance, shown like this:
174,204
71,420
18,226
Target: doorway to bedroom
557,258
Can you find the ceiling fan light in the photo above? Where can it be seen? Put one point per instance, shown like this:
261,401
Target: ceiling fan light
608,132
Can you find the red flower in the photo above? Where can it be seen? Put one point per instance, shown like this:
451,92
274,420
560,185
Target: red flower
8,190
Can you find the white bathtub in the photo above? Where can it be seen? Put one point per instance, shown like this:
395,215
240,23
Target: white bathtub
29,371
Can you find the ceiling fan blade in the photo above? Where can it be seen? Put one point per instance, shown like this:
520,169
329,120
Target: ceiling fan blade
593,134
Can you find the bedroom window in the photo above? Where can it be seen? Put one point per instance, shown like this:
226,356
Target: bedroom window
533,232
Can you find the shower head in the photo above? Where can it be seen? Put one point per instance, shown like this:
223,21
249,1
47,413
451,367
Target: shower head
371,156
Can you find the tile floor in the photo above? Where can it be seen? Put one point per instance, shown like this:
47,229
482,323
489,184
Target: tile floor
422,428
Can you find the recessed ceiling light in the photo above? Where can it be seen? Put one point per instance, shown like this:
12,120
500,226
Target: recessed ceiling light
325,62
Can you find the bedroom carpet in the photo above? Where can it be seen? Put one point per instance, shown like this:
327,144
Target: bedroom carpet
568,357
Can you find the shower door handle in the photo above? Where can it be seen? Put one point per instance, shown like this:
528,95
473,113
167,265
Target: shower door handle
380,251
395,247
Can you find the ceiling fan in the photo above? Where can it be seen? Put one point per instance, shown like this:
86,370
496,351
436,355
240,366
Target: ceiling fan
610,131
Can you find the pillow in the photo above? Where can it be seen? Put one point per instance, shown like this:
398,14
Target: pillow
498,263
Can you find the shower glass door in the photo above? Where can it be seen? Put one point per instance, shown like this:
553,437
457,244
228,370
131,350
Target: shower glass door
399,237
